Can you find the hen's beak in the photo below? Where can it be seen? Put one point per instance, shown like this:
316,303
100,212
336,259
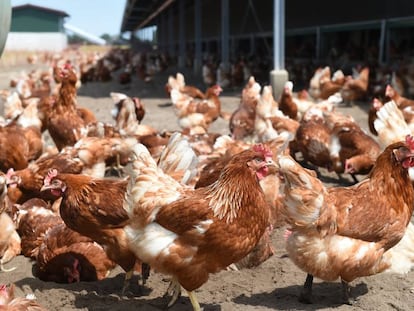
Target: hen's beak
272,167
44,188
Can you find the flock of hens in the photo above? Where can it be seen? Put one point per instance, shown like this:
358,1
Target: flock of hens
193,202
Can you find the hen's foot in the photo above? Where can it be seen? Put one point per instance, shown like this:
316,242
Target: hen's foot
194,301
306,293
346,294
174,290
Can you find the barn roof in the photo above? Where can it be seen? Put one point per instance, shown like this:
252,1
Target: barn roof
140,13
40,8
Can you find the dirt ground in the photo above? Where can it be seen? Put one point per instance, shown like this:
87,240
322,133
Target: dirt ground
274,285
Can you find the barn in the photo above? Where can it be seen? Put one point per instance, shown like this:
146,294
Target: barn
317,30
37,27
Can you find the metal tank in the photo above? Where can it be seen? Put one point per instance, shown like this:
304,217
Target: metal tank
5,17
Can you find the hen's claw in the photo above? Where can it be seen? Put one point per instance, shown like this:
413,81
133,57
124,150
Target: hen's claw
173,290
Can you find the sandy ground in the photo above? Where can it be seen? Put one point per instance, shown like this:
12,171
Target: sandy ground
272,286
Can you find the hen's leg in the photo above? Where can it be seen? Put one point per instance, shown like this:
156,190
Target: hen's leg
174,290
306,293
145,272
128,276
346,290
194,302
355,178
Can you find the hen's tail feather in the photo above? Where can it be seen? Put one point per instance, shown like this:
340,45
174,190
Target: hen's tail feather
390,124
178,159
179,99
175,96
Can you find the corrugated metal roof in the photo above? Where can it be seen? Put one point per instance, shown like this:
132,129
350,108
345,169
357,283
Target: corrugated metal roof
41,8
138,11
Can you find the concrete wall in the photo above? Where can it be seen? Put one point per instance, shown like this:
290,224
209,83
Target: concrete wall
45,41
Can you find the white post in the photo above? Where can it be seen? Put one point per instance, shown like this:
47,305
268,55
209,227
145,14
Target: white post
278,76
279,34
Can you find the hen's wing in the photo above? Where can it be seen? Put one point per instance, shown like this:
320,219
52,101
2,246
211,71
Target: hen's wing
355,204
186,216
105,214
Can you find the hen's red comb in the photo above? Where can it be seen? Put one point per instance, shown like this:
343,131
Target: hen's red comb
263,149
410,141
52,173
376,103
10,172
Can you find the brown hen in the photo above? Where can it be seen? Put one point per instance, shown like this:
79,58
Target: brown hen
330,236
201,231
65,256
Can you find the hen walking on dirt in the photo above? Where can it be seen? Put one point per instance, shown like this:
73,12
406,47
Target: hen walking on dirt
346,232
189,233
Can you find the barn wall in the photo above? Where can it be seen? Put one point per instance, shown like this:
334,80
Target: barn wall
46,41
31,20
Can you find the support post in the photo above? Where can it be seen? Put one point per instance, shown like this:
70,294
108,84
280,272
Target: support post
318,44
225,31
198,62
278,76
382,46
171,47
181,29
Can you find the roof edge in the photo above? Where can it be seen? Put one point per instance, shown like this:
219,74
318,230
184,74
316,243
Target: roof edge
57,12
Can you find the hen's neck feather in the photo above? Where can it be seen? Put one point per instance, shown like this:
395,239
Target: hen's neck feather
80,186
67,95
388,176
236,188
